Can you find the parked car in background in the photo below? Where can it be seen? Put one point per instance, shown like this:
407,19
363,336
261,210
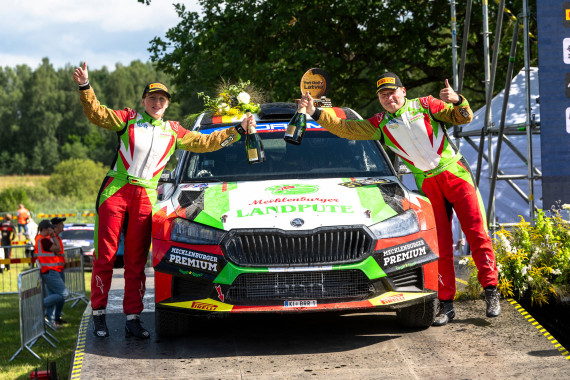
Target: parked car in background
324,226
80,235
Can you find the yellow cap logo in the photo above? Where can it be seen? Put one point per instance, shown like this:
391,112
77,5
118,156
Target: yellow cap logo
567,12
158,86
385,80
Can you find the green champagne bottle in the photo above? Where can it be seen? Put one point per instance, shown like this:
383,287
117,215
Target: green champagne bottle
296,128
253,145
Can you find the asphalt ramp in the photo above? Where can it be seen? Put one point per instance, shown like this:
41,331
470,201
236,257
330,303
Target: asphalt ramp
323,346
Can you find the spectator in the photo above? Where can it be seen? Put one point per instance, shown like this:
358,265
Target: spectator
8,234
58,229
46,247
23,220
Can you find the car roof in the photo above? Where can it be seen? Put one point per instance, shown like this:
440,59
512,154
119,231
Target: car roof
79,226
268,112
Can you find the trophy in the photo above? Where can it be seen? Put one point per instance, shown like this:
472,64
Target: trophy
316,82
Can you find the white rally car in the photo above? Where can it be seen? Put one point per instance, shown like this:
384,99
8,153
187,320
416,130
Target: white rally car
322,226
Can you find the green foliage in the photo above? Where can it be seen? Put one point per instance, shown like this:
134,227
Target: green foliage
43,121
11,197
273,42
533,261
78,178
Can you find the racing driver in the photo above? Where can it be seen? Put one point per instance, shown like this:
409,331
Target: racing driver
414,130
128,192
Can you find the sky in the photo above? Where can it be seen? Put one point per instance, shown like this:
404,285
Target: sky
101,32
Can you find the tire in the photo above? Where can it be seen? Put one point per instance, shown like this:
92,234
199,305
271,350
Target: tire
171,324
420,315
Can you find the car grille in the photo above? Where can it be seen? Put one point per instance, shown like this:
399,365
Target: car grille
271,247
267,287
410,280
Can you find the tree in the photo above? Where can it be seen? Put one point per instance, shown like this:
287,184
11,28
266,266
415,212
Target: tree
273,42
76,178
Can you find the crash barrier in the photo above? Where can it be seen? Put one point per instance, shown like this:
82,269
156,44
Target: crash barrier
14,259
32,326
75,275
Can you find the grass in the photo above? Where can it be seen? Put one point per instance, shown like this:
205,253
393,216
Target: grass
25,362
22,180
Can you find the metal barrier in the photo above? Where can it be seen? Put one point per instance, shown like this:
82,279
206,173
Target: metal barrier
14,259
32,326
75,275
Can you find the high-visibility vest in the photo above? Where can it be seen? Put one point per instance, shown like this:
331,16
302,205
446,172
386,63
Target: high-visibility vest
46,260
23,216
61,255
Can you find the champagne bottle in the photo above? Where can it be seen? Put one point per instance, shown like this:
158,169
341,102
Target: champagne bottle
296,128
253,145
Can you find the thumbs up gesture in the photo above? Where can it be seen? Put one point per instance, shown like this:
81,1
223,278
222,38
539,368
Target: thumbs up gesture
448,94
81,75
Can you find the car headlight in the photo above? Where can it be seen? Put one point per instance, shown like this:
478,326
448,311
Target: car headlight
400,225
184,231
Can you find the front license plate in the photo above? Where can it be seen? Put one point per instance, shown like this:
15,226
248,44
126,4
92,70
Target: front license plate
309,303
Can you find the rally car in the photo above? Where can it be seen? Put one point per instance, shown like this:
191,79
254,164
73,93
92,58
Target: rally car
80,235
322,226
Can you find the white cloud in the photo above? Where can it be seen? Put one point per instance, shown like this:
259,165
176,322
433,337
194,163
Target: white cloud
103,32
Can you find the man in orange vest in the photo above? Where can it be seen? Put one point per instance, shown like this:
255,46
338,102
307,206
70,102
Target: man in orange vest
46,247
23,220
57,223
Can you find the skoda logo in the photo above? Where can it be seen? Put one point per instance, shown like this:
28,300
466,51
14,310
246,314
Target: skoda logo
297,222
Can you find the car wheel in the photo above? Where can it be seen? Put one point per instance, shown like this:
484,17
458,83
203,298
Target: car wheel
419,315
170,324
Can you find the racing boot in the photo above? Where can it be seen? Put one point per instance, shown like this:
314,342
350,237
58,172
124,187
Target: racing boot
492,301
100,329
445,314
134,328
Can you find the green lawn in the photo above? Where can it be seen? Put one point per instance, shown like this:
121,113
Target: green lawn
25,362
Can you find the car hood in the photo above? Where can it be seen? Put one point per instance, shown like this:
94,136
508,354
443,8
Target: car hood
291,204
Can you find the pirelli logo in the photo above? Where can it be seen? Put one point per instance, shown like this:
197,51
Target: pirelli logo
204,306
157,85
385,80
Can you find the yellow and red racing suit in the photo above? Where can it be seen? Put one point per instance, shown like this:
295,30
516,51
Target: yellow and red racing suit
129,191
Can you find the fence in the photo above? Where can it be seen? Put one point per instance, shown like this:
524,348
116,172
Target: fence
14,259
31,298
75,275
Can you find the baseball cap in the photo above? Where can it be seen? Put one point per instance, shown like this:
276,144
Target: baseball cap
55,221
154,87
389,81
44,224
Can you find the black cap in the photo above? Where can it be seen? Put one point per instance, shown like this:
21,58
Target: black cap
55,221
389,81
154,87
44,224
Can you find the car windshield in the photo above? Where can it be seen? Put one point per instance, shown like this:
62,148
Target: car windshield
321,155
77,234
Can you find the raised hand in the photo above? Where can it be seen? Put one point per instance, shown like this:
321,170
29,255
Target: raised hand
80,75
448,94
307,101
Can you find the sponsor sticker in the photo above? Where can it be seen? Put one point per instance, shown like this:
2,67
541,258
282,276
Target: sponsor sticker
292,189
403,253
391,299
566,50
203,306
365,182
200,261
307,303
